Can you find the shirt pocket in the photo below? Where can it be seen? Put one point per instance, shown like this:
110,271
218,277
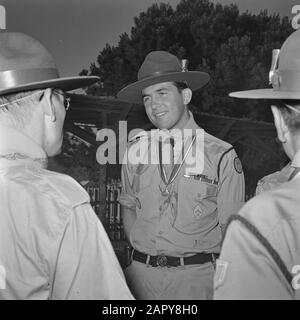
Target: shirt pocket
197,206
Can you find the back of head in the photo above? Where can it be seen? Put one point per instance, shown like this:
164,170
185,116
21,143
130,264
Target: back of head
16,110
290,110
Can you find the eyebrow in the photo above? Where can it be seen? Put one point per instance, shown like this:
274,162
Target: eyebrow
158,90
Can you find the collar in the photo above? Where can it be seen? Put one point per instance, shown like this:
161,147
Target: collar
177,133
191,124
16,147
296,160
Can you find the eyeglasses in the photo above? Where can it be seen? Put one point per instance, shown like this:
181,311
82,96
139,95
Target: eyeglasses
67,98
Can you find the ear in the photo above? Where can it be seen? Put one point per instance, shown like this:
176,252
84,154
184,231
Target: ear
187,95
47,104
281,127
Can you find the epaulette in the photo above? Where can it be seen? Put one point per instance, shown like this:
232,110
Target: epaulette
267,245
137,137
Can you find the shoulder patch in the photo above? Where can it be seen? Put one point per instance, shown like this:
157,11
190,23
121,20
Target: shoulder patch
237,165
133,141
133,137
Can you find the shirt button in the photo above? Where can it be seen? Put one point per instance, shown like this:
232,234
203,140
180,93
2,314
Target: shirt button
160,232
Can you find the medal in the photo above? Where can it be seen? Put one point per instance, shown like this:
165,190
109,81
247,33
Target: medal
175,170
165,192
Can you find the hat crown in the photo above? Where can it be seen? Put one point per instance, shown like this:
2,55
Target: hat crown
289,57
158,62
25,64
19,51
284,75
160,67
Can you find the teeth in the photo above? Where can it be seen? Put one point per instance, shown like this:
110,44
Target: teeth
160,114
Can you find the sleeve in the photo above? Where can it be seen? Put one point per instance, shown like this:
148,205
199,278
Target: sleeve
245,270
266,184
231,193
274,179
127,196
86,265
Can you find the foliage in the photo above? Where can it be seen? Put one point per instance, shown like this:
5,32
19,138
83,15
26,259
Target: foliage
77,159
235,49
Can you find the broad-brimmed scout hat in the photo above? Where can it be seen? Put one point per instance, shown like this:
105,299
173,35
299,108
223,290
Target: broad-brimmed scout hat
25,64
284,75
162,66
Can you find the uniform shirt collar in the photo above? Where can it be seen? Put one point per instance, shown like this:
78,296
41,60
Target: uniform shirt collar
16,147
191,124
296,160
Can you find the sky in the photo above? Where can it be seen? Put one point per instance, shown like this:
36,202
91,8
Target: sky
75,31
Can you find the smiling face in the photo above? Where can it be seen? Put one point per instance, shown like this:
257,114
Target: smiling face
166,106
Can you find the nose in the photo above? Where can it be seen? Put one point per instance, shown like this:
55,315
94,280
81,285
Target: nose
155,102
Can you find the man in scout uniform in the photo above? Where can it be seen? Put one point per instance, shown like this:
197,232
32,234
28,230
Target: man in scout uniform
52,245
260,256
174,211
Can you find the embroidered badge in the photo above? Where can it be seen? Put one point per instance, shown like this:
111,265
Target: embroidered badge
220,274
2,278
197,212
237,165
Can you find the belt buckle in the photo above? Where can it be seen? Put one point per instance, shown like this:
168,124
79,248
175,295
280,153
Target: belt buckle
161,261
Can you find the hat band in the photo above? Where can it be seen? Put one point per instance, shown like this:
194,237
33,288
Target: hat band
158,73
286,80
14,78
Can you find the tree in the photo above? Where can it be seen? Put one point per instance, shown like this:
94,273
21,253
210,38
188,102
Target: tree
235,49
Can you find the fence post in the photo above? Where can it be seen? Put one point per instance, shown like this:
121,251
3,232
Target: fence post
102,193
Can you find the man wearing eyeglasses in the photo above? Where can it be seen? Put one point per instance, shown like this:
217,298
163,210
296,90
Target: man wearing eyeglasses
52,245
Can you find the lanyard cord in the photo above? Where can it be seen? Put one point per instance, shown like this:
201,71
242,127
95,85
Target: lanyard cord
176,167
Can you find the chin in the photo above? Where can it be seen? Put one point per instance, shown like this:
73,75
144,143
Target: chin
162,125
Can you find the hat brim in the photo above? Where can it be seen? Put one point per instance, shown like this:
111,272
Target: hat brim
66,84
266,94
133,92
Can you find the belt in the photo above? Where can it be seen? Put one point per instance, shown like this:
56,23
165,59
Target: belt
167,261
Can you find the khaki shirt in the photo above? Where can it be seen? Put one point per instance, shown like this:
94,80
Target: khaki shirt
245,269
274,179
52,245
190,219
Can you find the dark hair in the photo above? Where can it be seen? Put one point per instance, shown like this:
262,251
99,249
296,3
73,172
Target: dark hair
180,85
291,117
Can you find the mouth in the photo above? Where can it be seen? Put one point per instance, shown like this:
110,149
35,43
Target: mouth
160,114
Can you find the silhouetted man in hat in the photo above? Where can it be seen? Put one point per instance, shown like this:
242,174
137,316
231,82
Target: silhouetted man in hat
180,185
52,245
260,257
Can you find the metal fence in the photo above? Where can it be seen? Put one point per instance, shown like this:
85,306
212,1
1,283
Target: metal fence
112,218
113,211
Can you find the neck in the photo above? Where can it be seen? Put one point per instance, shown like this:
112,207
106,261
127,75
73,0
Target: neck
183,120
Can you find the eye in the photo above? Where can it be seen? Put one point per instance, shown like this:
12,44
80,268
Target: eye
162,93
